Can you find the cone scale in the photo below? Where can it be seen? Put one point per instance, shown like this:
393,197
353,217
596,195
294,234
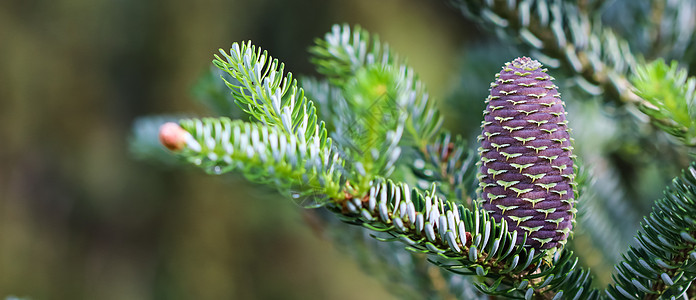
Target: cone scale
526,169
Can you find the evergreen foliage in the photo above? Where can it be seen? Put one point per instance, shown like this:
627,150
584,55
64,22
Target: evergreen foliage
663,261
670,95
365,144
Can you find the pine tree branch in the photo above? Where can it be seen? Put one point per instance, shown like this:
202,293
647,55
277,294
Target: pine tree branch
291,150
263,154
261,90
344,52
663,262
425,222
404,274
672,96
559,33
562,34
470,241
465,242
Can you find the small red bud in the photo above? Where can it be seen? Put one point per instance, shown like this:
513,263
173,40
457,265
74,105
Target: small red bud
172,136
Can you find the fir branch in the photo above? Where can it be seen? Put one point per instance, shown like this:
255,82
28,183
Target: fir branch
370,123
377,103
671,95
263,92
264,154
469,240
293,153
662,264
405,274
343,53
558,33
291,149
368,132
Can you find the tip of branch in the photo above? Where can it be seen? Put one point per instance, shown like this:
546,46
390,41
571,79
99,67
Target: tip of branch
172,136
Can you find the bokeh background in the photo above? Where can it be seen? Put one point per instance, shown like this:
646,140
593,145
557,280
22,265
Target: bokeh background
82,218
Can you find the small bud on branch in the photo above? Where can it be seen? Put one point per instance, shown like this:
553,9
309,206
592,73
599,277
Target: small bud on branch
172,136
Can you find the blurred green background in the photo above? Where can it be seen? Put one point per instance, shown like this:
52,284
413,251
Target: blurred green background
81,218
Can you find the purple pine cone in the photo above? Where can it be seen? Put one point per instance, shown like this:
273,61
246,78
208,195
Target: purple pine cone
527,171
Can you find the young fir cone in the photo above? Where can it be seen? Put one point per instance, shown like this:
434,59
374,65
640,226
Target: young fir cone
527,171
